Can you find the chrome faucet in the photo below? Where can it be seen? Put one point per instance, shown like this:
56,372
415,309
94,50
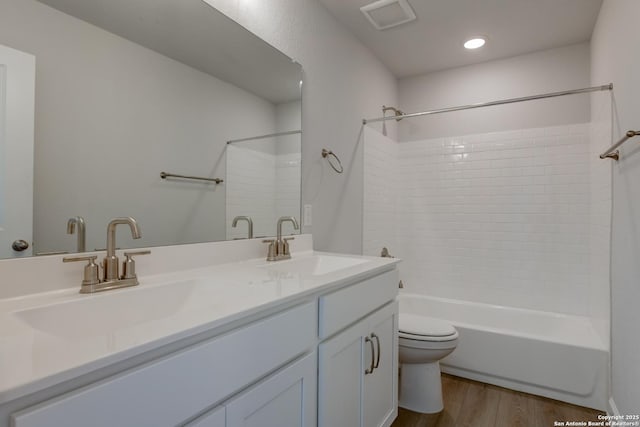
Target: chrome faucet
279,248
71,228
249,223
111,278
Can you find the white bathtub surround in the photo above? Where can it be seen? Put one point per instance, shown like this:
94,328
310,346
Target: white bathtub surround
499,218
559,356
503,218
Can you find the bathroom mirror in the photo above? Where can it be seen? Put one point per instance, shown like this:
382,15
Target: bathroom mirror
127,89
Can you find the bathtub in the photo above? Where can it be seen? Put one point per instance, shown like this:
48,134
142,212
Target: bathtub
553,355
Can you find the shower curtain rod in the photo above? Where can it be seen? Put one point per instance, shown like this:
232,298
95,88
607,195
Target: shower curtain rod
489,104
251,138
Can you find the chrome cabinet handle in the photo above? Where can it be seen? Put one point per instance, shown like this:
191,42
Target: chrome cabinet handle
373,356
378,344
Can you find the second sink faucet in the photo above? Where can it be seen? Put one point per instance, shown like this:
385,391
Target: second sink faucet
111,260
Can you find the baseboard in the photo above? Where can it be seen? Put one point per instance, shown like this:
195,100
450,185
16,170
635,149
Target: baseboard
612,409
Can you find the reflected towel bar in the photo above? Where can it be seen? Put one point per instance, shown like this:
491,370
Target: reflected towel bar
165,175
270,135
614,154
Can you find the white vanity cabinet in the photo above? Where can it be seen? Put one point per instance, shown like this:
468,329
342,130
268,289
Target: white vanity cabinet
178,387
326,358
358,365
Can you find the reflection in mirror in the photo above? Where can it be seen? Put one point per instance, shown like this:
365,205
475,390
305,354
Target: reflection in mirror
263,183
126,89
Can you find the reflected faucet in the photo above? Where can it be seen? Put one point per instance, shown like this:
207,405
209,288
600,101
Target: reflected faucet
71,228
249,222
110,262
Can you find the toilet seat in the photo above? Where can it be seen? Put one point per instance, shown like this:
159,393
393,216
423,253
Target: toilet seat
423,328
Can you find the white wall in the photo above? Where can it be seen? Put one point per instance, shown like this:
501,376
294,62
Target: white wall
540,72
343,83
615,59
110,116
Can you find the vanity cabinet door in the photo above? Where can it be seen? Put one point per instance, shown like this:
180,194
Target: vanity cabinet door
355,387
380,390
341,365
286,399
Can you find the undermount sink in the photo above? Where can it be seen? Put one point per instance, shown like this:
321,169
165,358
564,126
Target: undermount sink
315,265
110,311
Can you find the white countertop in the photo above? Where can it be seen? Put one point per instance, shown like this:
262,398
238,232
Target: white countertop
36,354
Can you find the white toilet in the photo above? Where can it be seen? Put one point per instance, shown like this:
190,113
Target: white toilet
423,342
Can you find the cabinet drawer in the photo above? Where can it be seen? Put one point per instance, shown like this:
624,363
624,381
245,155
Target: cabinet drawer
177,387
343,307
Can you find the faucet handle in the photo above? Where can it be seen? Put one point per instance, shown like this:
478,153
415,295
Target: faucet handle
285,246
271,254
91,270
129,264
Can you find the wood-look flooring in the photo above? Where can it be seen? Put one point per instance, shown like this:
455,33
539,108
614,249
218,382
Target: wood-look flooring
474,404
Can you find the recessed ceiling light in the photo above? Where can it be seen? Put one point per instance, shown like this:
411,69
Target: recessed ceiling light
475,43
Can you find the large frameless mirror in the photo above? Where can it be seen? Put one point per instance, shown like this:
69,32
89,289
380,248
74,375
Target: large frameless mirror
126,90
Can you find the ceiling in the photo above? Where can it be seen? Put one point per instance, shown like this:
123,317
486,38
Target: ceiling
434,41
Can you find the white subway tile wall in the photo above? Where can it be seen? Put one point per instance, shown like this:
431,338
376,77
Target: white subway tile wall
380,193
288,187
251,189
263,186
502,218
600,214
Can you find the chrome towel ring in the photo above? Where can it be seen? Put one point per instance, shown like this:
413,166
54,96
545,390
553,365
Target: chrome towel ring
326,153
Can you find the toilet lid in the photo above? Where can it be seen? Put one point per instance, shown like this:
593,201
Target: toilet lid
424,326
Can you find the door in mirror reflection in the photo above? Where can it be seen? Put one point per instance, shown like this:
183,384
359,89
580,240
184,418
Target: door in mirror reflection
17,86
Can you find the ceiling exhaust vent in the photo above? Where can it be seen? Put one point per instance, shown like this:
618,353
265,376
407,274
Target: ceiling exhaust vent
384,14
